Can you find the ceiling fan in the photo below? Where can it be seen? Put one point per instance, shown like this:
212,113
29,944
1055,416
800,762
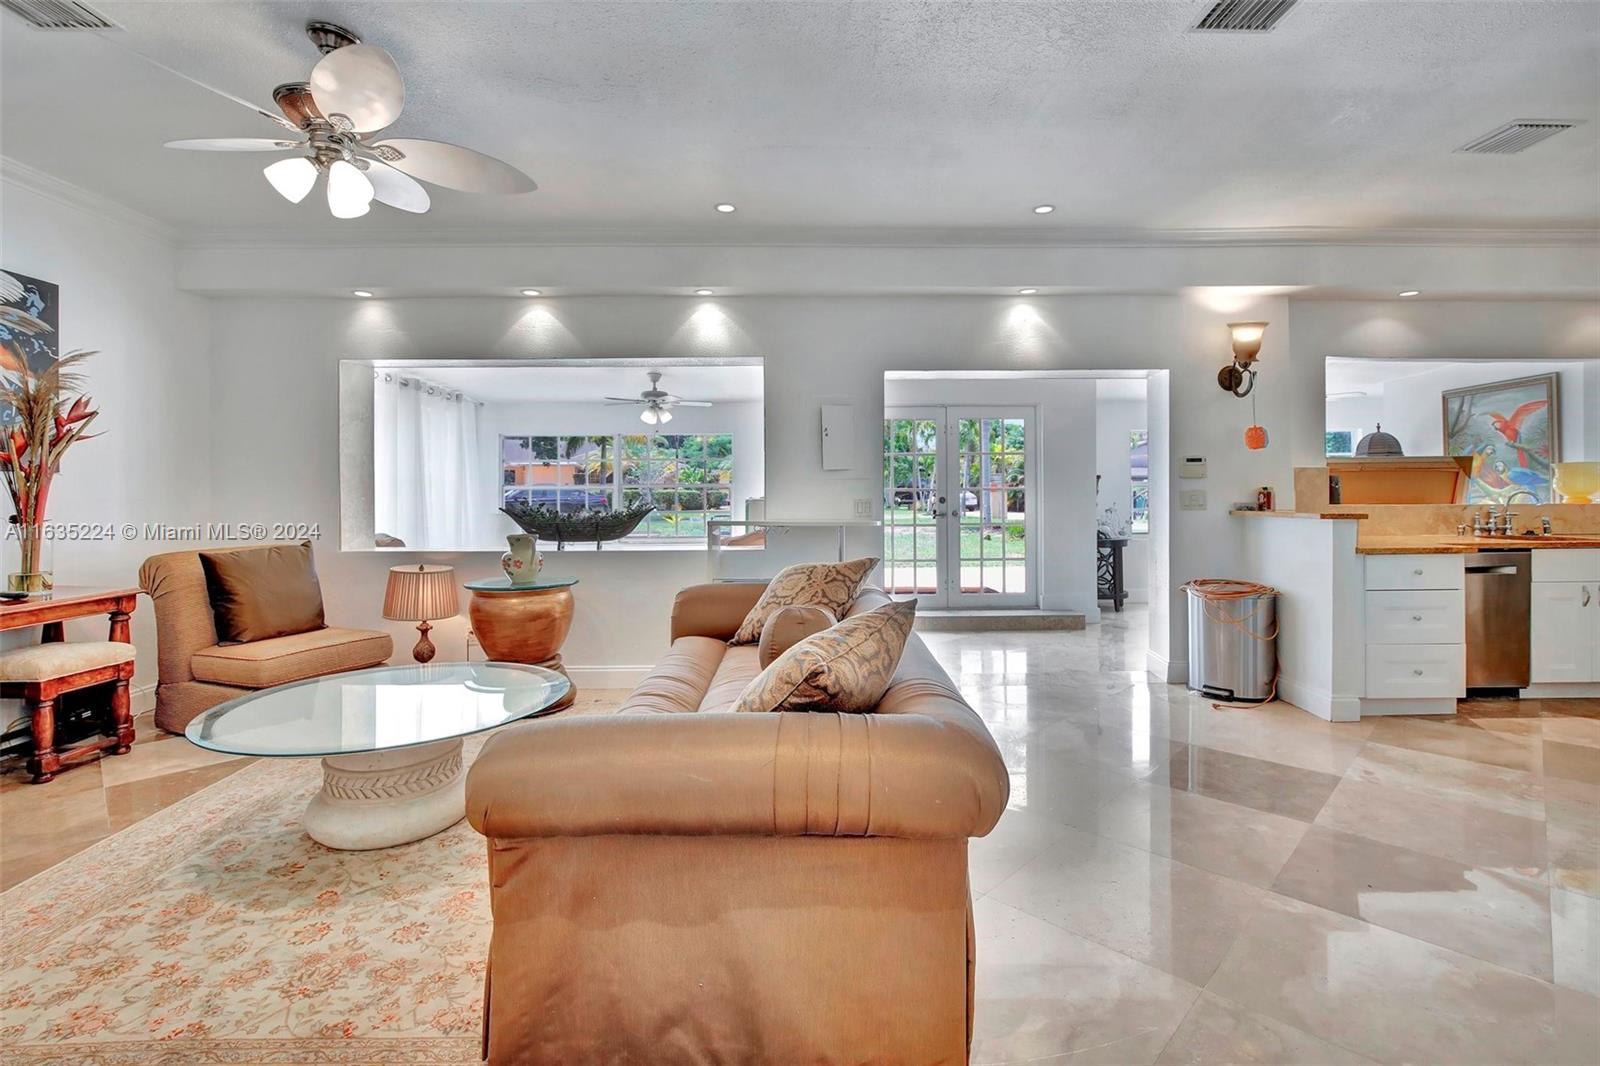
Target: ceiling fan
656,403
335,120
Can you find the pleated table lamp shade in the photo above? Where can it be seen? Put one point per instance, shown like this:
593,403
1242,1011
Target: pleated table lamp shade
421,593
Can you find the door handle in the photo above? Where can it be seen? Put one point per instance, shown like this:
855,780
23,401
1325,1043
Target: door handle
1491,569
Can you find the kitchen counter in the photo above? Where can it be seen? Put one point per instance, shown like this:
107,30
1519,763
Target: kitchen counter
1422,544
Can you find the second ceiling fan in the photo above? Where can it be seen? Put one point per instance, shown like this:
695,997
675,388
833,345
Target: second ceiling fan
657,404
335,119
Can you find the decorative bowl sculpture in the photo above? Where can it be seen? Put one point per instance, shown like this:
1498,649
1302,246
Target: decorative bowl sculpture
1578,482
547,523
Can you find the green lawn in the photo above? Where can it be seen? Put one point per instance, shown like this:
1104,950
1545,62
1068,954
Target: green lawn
997,541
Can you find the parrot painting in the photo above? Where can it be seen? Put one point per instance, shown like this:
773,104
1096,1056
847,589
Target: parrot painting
1506,428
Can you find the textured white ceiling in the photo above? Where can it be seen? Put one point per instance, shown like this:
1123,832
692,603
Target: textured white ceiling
636,117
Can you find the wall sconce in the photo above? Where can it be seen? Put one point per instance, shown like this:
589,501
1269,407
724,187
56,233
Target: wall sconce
1239,376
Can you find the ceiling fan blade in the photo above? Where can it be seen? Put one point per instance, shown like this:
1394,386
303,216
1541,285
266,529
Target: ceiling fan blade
453,166
235,144
360,82
391,187
690,403
618,399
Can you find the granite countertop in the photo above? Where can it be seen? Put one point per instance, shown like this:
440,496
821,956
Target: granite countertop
1297,514
1424,544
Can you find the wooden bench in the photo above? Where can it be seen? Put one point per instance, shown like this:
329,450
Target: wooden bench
41,674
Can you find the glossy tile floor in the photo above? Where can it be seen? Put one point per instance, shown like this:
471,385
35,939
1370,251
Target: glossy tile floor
1178,884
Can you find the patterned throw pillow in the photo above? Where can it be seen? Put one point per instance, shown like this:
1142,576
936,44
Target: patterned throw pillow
845,668
829,585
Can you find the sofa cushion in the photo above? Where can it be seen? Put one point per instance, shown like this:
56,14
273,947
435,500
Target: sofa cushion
261,593
830,585
678,682
738,668
788,626
264,663
845,668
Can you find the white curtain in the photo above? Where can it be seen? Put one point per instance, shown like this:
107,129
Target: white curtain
428,471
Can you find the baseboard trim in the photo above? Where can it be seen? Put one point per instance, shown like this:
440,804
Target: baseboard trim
142,698
607,676
1319,702
1377,708
1552,690
1169,671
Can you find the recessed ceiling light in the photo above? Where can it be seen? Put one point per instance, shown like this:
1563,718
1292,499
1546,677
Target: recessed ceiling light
1412,292
530,292
361,292
1026,292
726,209
1044,209
702,292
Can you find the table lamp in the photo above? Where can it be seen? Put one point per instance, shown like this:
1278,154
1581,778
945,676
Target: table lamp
418,593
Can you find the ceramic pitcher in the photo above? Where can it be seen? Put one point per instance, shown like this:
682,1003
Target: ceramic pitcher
524,561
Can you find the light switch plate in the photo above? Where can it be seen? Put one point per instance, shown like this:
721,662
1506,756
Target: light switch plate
863,507
1192,500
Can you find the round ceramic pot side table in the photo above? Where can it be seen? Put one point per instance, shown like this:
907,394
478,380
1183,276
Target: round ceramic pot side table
523,623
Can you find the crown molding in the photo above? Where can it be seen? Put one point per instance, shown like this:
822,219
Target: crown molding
903,237
32,179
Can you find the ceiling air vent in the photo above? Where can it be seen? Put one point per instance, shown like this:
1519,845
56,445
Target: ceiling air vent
59,15
1244,16
1516,136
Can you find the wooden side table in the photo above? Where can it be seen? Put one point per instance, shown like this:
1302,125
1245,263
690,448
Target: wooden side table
524,623
52,610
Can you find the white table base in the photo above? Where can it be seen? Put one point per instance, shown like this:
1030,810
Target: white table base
384,798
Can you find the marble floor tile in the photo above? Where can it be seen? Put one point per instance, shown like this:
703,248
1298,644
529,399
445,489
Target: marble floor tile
1575,762
1217,1031
1572,730
1046,995
1490,915
1065,790
1249,782
1575,926
1222,838
1386,995
1163,913
1507,791
1018,838
1469,833
168,756
1572,834
1459,741
1279,733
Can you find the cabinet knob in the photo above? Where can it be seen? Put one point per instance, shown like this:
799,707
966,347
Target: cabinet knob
1417,572
1416,618
1417,672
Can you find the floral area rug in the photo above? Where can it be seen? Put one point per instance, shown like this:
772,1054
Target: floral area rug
216,931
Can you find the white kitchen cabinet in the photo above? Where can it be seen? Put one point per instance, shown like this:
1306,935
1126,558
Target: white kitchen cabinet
1565,631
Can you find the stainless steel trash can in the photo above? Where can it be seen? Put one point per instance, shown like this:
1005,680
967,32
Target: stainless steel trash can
1233,639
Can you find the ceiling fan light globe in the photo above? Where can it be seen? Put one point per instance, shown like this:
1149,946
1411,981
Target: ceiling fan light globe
648,416
663,416
292,178
349,191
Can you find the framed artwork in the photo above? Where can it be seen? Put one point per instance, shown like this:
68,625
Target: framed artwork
1512,431
30,316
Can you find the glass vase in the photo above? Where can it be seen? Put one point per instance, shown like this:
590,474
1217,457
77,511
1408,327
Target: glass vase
30,554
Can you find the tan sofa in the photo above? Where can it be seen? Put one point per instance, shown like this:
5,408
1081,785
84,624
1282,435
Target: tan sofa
673,884
195,672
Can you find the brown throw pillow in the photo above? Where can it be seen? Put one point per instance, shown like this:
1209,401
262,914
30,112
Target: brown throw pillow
260,593
845,668
829,585
788,626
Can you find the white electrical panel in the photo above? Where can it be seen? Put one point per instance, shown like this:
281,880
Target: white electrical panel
1192,466
1192,500
838,437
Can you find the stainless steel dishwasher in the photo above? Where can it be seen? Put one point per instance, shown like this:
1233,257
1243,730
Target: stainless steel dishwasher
1498,593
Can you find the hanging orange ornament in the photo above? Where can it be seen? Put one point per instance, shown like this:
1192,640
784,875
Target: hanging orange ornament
1255,438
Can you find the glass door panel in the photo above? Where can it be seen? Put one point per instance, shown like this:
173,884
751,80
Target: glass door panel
911,503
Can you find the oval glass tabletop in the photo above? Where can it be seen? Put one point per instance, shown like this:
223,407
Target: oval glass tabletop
377,709
503,584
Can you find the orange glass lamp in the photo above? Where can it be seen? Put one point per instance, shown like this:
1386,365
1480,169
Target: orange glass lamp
417,594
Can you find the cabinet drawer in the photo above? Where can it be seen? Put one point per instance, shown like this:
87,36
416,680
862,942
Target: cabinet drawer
1566,564
1402,671
1428,616
1413,571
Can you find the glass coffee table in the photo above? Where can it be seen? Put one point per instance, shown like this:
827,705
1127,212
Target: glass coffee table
389,739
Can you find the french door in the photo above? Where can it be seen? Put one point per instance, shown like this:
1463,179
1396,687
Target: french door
956,499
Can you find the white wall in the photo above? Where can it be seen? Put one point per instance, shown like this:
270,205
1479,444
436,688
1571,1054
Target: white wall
151,382
1115,421
1063,506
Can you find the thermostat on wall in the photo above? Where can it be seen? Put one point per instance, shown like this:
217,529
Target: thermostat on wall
1192,466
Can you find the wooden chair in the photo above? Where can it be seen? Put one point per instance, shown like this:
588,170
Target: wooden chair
41,674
